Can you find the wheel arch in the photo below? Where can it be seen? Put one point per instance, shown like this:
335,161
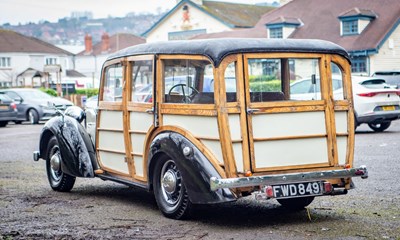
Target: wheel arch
195,168
78,155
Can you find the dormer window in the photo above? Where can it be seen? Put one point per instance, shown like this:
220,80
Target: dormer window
354,21
282,27
275,32
350,27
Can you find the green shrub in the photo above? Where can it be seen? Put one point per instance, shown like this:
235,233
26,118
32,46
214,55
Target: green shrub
265,86
88,92
262,78
49,91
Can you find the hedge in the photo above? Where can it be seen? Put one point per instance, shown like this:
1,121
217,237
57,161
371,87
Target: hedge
88,92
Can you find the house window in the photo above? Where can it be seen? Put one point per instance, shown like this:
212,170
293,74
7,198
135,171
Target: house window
350,27
359,64
51,61
5,62
275,33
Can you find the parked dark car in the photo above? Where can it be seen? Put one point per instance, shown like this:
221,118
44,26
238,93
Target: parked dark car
34,105
8,110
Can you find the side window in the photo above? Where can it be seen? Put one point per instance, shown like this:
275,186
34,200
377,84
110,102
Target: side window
13,96
230,82
113,83
142,81
188,81
337,82
284,79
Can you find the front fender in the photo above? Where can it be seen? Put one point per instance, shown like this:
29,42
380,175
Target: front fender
195,168
77,152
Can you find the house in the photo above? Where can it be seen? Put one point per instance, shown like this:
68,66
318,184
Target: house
193,17
25,61
90,61
368,29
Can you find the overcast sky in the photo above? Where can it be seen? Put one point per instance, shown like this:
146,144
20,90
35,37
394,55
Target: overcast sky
24,11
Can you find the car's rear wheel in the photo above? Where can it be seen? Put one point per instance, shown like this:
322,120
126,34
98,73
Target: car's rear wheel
169,189
3,123
379,127
59,181
33,116
296,203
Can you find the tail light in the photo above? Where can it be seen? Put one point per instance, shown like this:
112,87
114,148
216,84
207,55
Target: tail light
367,94
13,106
371,94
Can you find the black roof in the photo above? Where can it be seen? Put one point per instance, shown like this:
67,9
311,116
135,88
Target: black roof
218,49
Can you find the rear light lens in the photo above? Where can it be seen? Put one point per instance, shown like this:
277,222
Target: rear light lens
269,192
328,187
366,94
371,94
13,106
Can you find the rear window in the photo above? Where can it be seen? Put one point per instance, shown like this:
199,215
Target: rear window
386,73
4,97
375,83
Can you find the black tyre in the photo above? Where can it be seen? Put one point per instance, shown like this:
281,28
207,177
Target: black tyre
380,127
58,180
33,116
296,203
3,123
169,190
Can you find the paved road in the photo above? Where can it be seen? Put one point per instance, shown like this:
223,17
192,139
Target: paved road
95,209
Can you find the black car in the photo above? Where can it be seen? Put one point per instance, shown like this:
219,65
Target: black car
34,105
8,110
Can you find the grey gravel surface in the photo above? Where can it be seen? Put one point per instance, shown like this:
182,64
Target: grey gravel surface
96,209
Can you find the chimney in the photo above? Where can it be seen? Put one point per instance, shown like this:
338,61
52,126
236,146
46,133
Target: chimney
88,44
105,42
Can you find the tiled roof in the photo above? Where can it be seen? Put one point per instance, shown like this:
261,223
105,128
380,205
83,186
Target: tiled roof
359,12
238,15
11,41
321,21
117,42
286,20
233,15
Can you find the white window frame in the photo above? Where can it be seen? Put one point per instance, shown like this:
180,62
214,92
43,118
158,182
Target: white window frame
5,62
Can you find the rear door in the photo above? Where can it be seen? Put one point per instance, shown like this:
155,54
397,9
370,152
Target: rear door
139,113
289,128
110,138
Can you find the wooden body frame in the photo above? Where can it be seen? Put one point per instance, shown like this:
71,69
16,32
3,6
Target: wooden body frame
221,110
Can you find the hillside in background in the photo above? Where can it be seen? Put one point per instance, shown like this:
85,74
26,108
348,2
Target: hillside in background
71,31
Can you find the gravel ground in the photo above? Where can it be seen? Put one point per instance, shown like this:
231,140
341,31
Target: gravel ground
96,209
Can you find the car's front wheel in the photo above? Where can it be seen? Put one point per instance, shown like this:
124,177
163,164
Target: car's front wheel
33,116
379,127
296,203
169,189
59,181
3,123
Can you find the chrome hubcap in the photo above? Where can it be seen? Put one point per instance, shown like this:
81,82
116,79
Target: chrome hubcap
55,165
55,162
171,183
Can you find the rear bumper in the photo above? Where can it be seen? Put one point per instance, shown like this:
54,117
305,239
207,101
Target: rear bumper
379,117
216,183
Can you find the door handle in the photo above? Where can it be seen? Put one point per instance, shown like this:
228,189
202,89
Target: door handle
252,110
150,111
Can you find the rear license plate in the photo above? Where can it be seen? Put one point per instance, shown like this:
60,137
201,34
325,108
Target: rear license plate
388,108
297,189
3,107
